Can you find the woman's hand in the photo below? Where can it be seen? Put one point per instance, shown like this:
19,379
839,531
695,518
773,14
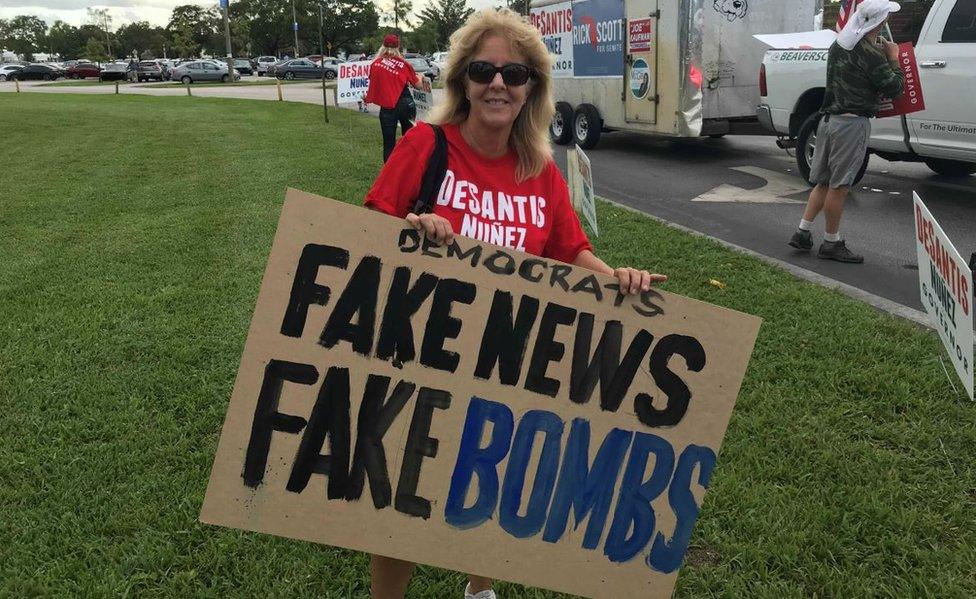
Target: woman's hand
634,281
437,228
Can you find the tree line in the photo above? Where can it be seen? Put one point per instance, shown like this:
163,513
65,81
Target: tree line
258,27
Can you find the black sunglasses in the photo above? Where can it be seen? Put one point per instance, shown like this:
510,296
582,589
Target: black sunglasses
513,73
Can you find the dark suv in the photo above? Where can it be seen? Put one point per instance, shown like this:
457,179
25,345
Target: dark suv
150,69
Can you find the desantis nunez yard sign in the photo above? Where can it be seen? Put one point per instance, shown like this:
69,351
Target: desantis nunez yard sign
473,407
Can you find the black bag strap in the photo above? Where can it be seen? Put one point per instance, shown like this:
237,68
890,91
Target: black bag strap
433,177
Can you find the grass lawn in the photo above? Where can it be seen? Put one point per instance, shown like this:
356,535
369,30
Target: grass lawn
129,275
245,83
82,83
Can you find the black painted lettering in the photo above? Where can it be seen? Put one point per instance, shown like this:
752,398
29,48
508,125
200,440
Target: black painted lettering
427,248
557,276
409,240
330,417
547,349
403,301
667,381
500,263
304,290
504,341
359,297
615,376
454,250
526,272
375,419
268,419
441,325
648,306
419,445
589,284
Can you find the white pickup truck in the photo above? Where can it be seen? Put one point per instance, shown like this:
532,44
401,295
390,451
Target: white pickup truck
943,136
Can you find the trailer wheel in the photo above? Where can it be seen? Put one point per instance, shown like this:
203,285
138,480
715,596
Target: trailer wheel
560,129
806,143
587,126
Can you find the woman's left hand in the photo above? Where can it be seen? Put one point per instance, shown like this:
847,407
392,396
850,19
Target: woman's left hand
633,281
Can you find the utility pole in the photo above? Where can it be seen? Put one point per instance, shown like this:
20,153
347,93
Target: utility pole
225,5
325,100
294,26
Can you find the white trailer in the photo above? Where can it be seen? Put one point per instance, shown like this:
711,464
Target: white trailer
668,67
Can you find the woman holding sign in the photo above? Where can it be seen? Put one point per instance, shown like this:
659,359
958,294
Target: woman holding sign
390,79
500,186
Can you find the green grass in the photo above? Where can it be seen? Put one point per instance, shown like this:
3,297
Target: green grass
82,83
126,289
329,84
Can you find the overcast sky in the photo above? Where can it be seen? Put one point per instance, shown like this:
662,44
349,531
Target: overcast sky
126,11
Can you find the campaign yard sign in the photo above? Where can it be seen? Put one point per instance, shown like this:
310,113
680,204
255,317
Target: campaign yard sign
555,23
353,81
946,285
581,186
423,100
911,99
473,407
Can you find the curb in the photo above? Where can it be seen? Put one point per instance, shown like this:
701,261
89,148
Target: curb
876,301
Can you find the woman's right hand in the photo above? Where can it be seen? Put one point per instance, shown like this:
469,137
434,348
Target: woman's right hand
437,228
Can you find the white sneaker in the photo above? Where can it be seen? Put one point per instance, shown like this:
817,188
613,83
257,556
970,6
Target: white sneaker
488,594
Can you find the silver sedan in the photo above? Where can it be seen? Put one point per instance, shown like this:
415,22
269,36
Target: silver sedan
202,70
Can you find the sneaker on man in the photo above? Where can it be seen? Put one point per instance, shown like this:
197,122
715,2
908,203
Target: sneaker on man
486,594
802,240
837,250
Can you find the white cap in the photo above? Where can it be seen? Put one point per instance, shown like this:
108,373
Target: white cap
869,14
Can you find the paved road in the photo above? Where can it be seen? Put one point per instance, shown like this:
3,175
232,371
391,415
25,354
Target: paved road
742,189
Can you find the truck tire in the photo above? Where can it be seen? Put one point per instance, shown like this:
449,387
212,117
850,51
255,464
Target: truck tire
951,168
587,126
806,141
561,127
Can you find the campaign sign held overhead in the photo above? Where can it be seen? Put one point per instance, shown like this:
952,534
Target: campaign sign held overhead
473,407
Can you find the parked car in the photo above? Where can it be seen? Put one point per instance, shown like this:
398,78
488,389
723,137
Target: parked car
262,63
243,66
301,68
202,70
83,70
118,71
792,90
36,71
151,69
8,69
423,67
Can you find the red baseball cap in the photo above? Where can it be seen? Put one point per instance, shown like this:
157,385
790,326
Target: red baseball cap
391,41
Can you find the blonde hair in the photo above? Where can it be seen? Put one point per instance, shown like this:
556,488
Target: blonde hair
530,132
386,51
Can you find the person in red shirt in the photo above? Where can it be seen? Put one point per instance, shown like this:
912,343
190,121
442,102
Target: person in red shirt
390,77
501,185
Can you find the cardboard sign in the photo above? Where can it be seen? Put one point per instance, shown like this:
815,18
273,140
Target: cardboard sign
353,81
423,100
473,407
555,23
639,36
911,99
581,187
946,284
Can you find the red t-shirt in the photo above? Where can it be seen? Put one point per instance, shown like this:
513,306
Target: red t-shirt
387,77
481,198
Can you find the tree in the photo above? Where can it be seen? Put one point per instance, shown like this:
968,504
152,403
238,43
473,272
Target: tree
202,25
66,40
95,50
519,6
446,16
101,19
182,42
141,38
25,34
399,14
424,38
4,32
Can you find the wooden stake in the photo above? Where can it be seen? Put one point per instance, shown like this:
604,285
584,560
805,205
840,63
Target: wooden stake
278,82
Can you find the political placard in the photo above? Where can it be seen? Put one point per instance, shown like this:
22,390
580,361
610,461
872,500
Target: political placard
911,99
353,81
598,38
581,188
473,407
945,283
423,100
555,23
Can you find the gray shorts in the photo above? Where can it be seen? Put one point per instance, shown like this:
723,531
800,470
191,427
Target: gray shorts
842,142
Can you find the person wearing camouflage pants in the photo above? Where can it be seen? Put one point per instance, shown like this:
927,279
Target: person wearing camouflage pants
857,76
